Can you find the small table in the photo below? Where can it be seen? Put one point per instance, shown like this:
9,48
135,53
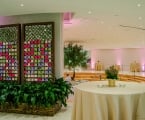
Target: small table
97,101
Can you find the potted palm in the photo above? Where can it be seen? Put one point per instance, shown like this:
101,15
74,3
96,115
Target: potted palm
111,75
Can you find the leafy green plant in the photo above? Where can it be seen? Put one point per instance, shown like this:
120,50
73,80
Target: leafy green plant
75,56
9,93
35,94
62,89
111,73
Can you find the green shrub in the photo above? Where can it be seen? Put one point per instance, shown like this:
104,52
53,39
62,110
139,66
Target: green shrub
111,73
40,94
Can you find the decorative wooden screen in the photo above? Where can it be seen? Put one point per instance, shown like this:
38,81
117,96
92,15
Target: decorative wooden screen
38,46
9,52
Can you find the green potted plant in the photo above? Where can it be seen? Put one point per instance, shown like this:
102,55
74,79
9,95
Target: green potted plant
111,75
75,56
41,98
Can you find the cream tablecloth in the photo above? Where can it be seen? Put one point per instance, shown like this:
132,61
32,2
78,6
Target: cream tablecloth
97,101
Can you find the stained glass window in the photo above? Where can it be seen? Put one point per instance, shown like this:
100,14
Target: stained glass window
9,52
35,51
38,61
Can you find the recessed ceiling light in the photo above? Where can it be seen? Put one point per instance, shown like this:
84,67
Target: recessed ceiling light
21,4
102,22
138,5
140,18
89,12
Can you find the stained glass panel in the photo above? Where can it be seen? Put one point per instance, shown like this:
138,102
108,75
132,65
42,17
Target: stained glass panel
38,52
9,51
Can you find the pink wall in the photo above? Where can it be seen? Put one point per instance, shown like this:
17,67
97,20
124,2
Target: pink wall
123,57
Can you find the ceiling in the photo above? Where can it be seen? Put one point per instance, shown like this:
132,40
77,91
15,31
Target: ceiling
95,24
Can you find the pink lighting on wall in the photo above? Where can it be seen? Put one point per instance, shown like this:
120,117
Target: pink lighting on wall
143,67
141,52
118,62
67,17
69,21
2,19
93,59
118,56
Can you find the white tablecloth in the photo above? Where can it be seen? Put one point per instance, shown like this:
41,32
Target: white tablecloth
97,101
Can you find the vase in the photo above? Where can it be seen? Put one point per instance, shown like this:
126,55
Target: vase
111,83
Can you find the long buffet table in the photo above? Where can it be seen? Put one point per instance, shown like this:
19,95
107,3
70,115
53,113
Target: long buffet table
96,101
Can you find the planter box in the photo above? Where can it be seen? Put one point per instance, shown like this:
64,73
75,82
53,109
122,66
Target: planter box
25,109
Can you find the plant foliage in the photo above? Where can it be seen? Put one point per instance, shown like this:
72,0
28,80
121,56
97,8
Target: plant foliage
75,56
111,73
38,94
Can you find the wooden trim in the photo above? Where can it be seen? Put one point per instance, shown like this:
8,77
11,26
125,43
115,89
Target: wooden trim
101,76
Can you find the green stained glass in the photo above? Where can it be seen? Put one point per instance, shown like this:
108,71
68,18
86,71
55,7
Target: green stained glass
42,32
8,34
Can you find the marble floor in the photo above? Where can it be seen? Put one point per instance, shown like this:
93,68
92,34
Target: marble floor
63,114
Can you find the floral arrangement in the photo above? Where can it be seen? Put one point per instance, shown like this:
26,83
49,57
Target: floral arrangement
111,73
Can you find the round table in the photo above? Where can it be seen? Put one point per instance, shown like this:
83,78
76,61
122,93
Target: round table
96,101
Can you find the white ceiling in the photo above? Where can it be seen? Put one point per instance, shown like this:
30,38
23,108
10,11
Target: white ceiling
98,29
